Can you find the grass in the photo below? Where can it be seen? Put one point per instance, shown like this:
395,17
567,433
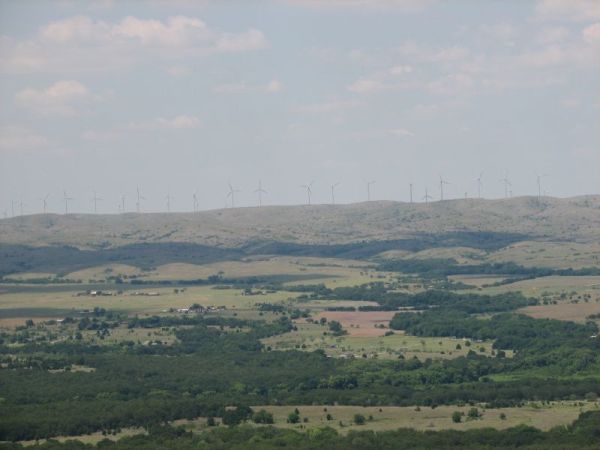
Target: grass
63,301
542,417
553,284
309,337
575,312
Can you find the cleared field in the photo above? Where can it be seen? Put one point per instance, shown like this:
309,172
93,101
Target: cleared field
259,266
101,272
31,275
91,439
553,284
560,255
542,417
358,323
575,312
135,304
477,280
310,337
463,255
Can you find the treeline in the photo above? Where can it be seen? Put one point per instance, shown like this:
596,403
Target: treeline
583,434
389,300
440,268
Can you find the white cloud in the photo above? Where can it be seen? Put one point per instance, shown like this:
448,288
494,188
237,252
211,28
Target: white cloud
100,136
178,71
553,35
502,32
61,98
181,122
401,132
403,5
400,70
568,9
274,86
243,87
327,107
451,84
366,86
18,138
80,43
549,56
591,34
231,42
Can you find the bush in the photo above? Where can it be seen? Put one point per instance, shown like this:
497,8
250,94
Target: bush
473,413
262,416
457,416
359,419
293,417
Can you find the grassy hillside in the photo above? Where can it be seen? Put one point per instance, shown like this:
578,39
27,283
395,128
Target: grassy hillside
569,219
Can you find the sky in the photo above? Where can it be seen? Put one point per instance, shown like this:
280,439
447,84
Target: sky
179,97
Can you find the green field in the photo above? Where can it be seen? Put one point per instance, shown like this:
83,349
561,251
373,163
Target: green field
309,337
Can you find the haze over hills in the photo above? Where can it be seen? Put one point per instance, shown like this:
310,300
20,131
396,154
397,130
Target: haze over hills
573,219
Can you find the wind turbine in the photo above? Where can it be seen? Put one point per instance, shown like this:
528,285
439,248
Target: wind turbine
427,196
94,200
442,183
231,194
21,204
411,192
138,203
369,183
539,183
66,199
195,200
45,202
260,191
479,184
507,184
308,190
12,208
169,197
122,206
333,186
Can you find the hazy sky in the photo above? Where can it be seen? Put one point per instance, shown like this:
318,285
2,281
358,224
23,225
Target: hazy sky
183,96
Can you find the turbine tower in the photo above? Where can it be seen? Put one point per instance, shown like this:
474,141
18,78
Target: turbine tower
12,208
45,202
260,191
369,183
507,184
138,203
308,188
427,197
66,199
411,192
442,183
231,194
122,205
195,200
169,197
479,184
333,186
94,200
539,184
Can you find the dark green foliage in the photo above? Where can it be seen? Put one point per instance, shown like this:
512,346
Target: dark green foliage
263,417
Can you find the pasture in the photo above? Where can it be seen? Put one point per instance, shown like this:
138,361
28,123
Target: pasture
310,337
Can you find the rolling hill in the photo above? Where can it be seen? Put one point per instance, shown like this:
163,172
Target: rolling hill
551,219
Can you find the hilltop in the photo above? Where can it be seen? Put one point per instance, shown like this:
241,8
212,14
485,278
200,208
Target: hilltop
551,219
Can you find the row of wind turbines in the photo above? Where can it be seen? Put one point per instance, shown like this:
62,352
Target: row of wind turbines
260,192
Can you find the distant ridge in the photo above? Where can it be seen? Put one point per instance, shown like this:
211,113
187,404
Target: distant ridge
576,218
